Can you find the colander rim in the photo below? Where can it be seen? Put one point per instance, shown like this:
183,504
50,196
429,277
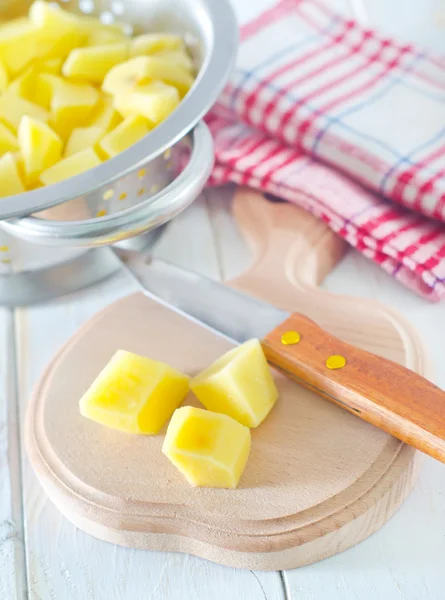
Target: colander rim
218,62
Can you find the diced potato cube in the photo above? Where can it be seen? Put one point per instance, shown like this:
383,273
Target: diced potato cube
177,57
50,65
44,87
93,63
13,108
134,394
59,31
11,183
8,142
20,166
155,101
127,75
4,77
69,167
105,115
40,147
71,104
149,43
102,36
209,449
19,42
83,138
23,85
239,384
130,131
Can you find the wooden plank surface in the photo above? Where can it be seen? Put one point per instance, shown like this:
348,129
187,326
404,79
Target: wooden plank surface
402,561
12,564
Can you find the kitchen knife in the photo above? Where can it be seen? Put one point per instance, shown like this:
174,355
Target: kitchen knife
375,389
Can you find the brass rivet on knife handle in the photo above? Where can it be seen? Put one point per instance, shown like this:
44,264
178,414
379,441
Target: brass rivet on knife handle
381,392
290,338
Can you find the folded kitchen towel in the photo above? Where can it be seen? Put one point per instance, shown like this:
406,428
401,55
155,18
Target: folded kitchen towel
313,88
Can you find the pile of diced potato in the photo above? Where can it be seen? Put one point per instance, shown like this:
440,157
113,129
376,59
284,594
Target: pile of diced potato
75,92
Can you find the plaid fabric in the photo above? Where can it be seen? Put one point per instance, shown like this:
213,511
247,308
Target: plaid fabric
311,86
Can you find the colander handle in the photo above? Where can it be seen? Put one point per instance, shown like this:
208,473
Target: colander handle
113,228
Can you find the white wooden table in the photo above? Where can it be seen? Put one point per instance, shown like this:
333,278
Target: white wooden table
43,557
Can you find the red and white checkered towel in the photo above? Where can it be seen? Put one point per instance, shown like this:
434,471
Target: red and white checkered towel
312,89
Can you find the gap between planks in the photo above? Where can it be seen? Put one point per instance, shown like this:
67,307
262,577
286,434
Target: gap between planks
12,546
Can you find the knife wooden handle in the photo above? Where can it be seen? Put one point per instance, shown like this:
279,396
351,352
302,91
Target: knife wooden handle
375,389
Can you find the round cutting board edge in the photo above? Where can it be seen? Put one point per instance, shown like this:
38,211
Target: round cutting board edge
86,516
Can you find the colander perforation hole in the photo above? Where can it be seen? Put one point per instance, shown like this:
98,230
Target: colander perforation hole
86,6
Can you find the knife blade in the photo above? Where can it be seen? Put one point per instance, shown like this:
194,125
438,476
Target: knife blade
379,391
234,314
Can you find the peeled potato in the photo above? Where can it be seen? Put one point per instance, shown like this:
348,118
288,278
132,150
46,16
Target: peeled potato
149,43
59,31
92,64
40,147
125,135
4,77
19,43
102,36
11,183
128,74
8,141
75,91
13,108
178,57
105,115
155,101
83,138
70,103
69,167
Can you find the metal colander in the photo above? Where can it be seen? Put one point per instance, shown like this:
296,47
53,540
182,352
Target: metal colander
161,174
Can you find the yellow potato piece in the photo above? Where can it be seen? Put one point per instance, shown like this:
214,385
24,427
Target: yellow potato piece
130,131
59,31
50,65
177,57
69,167
8,142
28,84
83,138
102,36
10,182
13,108
4,77
127,75
134,394
40,147
149,43
239,384
23,85
71,103
20,166
155,101
19,42
209,449
105,115
92,64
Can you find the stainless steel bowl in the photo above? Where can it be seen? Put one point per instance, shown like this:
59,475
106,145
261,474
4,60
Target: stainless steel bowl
140,188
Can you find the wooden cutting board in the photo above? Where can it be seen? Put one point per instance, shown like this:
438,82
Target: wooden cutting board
318,480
